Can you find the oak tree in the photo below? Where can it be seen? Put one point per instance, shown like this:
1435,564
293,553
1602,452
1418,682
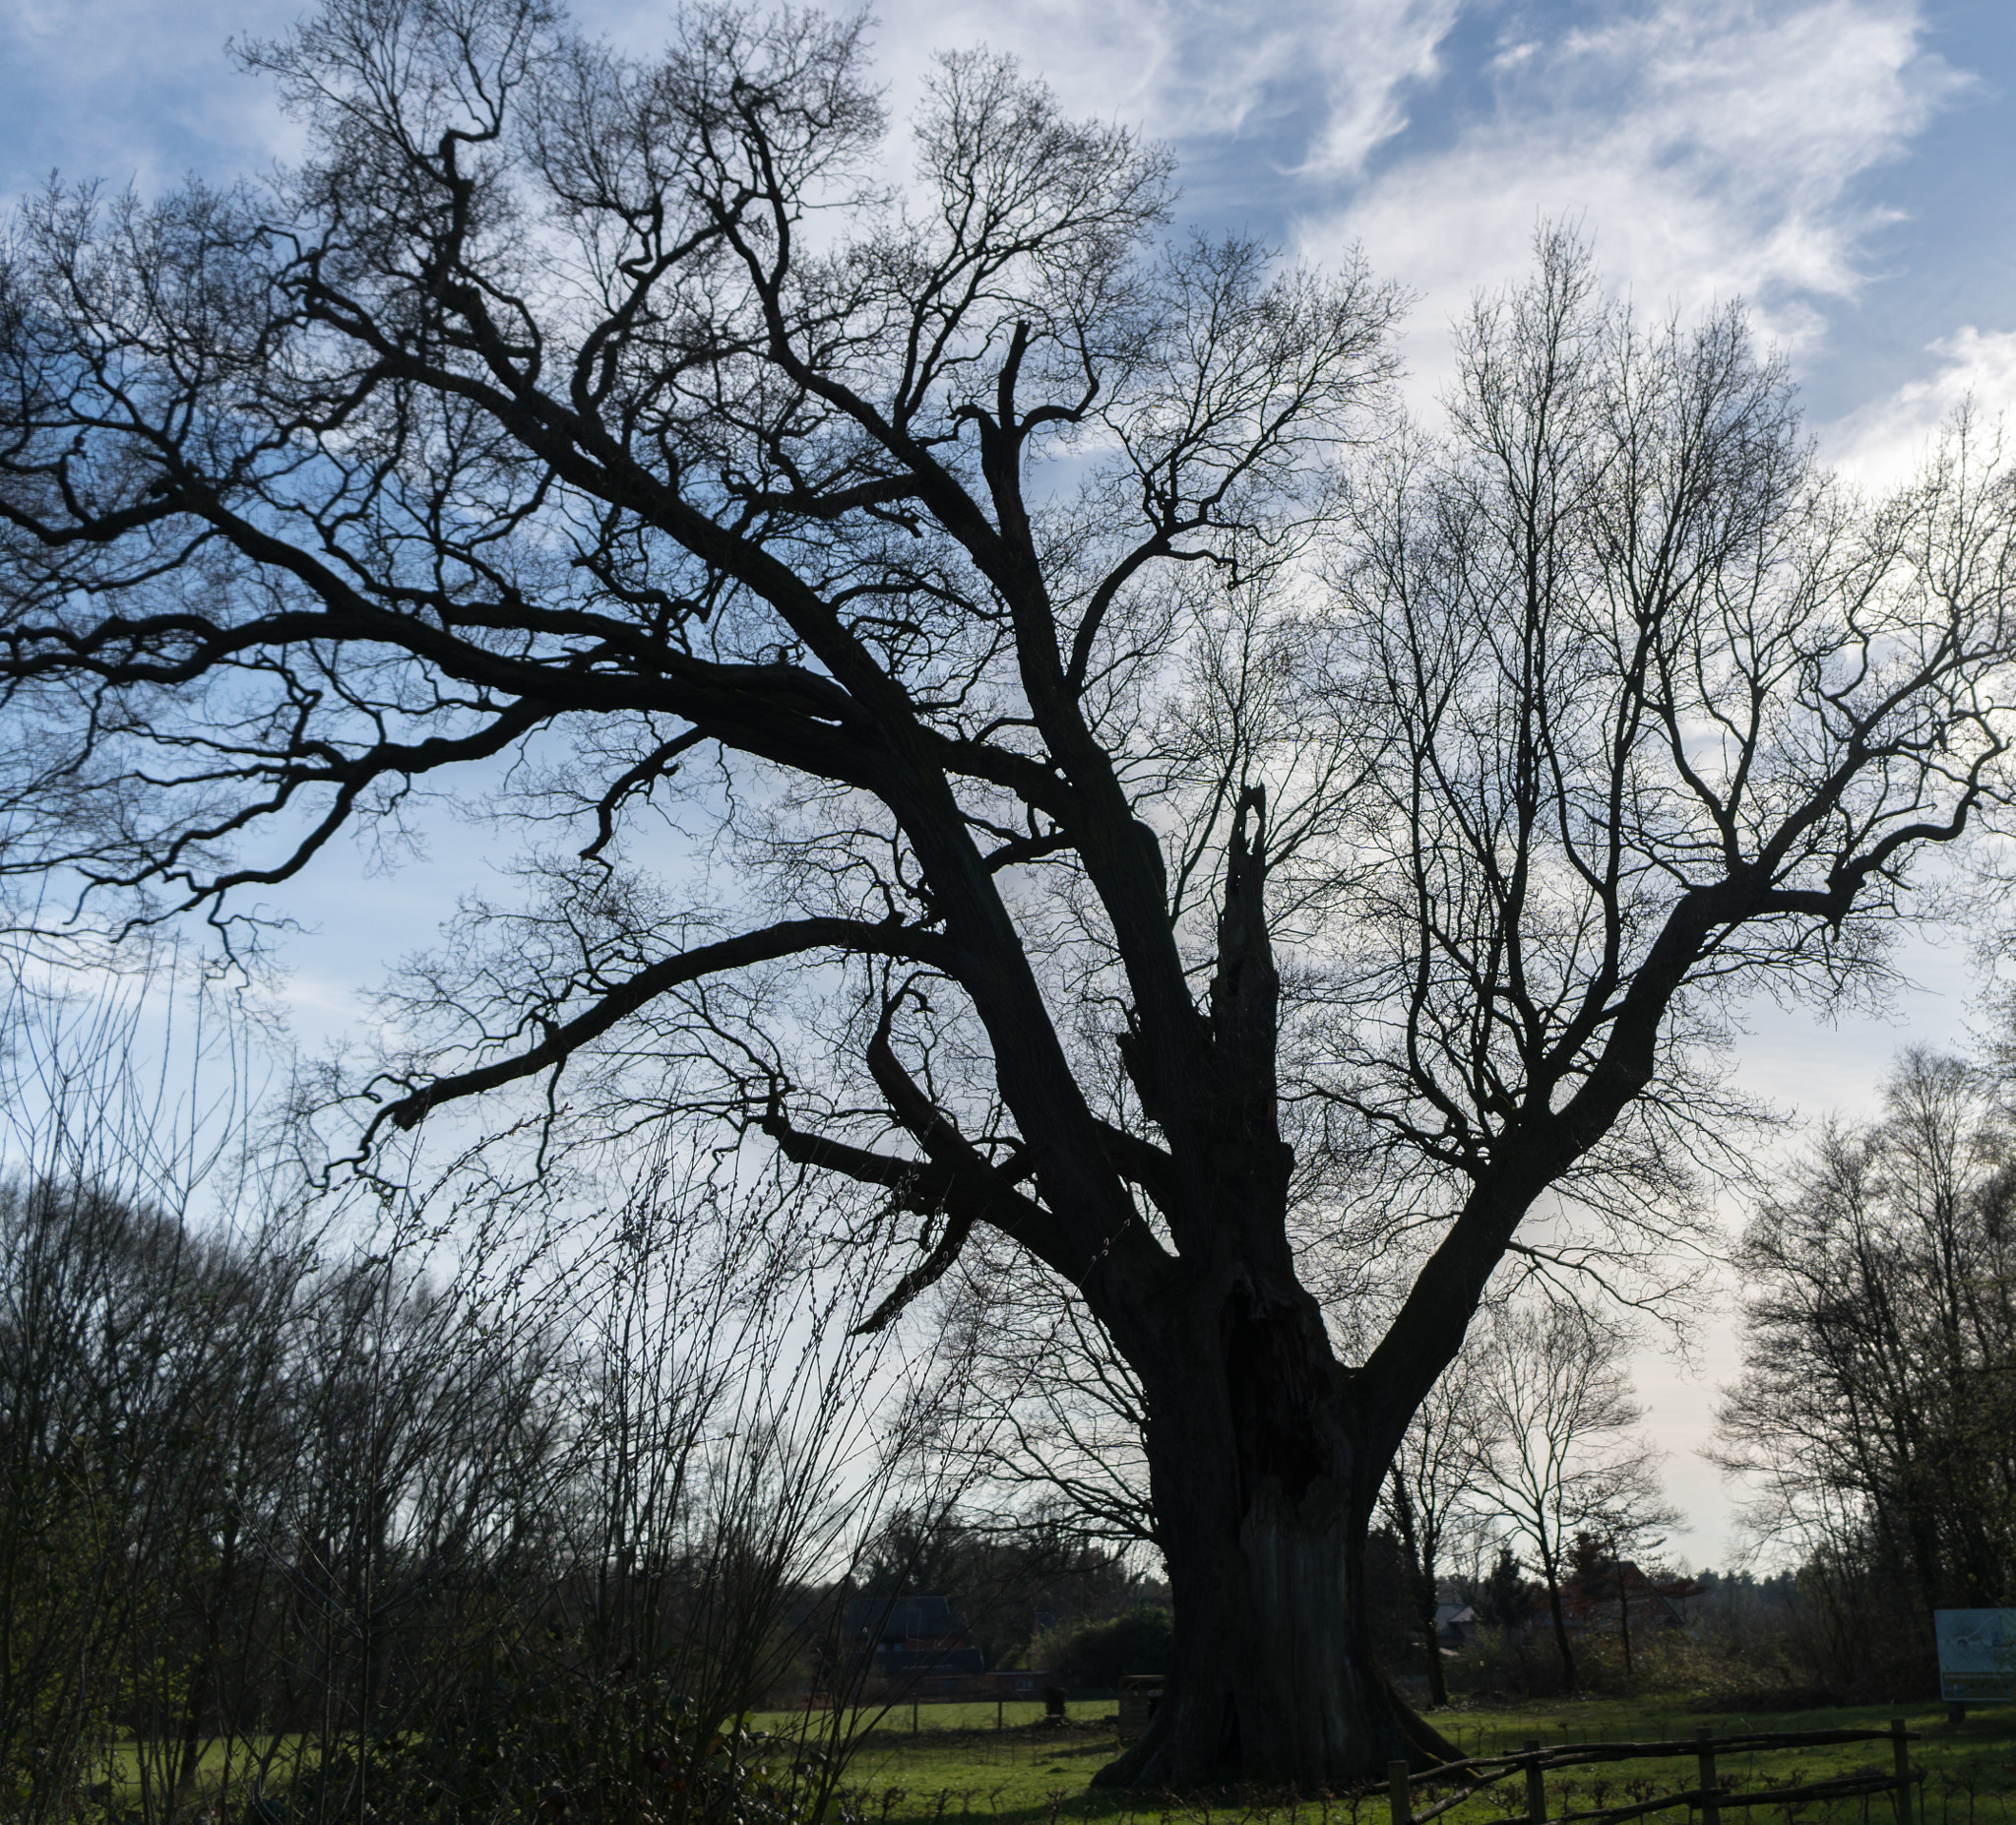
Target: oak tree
1002,711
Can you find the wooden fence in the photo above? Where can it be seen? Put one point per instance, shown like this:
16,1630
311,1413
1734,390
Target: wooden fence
1535,1762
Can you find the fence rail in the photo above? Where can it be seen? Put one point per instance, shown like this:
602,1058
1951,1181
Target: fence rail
1537,1761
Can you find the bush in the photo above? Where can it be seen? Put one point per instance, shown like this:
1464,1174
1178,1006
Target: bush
1097,1654
551,1754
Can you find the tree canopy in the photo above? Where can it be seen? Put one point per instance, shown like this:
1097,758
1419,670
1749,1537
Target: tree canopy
1000,703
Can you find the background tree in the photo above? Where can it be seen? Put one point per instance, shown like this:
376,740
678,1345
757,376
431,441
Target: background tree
1099,1655
1876,1409
1606,1562
893,619
1500,1595
1438,1473
297,1506
1057,1409
288,1521
1561,1459
1010,1581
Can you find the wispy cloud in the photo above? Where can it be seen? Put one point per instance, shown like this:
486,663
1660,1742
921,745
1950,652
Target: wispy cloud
1198,70
1712,146
121,92
1880,444
1345,72
1712,149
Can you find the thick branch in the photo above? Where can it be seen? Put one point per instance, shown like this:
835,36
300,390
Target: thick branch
792,938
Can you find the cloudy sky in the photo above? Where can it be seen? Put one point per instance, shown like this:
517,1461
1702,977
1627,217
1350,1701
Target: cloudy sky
1845,165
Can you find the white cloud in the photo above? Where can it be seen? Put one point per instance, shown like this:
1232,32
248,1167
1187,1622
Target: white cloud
1880,444
1362,59
1709,144
1196,70
1710,149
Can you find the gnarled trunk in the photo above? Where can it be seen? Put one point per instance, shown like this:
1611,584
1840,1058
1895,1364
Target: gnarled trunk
1261,1475
1262,1499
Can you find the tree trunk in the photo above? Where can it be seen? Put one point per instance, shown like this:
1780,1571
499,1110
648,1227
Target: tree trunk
208,1662
1261,1510
1550,1572
1419,1541
1262,1480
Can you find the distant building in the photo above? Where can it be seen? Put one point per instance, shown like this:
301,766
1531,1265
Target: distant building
1455,1626
1598,1606
1595,1605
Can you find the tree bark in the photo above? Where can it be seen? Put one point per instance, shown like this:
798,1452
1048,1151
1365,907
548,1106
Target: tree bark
1263,1495
1551,1572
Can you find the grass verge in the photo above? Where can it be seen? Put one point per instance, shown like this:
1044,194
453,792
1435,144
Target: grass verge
964,1771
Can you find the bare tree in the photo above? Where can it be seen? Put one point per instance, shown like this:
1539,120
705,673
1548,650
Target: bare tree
1876,1416
1434,1490
1563,1459
143,1298
1635,1524
331,1529
292,1499
893,618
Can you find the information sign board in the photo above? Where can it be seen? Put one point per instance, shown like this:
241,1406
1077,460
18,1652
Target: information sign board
1976,1655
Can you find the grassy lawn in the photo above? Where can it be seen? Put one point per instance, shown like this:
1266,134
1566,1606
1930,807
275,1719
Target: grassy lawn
115,1785
958,1768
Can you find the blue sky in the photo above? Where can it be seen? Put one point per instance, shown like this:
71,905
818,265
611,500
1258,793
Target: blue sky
1844,164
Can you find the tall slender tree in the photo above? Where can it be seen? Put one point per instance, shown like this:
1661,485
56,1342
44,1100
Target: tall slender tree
898,614
1565,1467
1432,1493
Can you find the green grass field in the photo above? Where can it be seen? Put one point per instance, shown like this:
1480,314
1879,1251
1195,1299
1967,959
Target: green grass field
958,1768
969,1765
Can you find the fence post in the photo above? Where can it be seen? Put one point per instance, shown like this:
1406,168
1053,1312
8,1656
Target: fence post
1396,1792
1902,1750
1000,1714
913,1717
1711,1812
1536,1785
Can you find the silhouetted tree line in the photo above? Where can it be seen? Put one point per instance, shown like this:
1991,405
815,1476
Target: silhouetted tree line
1873,1422
1875,1418
1013,1579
